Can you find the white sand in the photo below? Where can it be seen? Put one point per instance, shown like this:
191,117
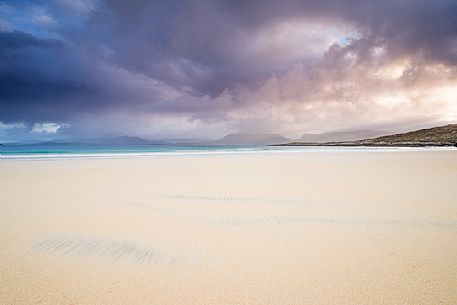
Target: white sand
293,228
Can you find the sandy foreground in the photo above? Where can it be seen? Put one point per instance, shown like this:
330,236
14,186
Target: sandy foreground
276,228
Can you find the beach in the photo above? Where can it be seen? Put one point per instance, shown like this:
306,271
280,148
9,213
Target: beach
332,227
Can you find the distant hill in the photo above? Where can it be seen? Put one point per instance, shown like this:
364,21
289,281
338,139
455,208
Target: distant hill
125,140
436,136
341,136
442,136
246,139
128,140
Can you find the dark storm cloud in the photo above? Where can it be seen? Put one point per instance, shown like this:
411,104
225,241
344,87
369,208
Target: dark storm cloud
211,36
62,59
202,44
18,40
37,77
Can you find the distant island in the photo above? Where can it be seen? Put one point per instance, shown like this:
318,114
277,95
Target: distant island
246,139
339,136
436,136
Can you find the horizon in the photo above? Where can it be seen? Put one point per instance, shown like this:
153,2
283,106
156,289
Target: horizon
200,70
339,135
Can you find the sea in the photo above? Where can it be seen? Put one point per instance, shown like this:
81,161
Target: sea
76,150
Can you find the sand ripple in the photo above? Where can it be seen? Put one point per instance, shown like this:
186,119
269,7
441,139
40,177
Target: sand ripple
106,248
286,220
246,200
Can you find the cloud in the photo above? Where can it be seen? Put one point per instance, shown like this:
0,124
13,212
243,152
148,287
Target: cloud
48,128
4,127
16,40
11,130
173,68
41,16
344,91
84,7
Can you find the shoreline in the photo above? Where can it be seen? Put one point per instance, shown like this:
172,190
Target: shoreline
284,149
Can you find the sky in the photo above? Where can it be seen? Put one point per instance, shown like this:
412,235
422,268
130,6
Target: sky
200,69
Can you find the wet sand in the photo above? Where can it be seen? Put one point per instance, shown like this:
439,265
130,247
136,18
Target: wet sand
275,228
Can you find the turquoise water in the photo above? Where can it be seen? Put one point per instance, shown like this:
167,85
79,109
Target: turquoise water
100,150
72,150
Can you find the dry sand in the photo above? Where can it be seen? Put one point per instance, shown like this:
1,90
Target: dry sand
285,228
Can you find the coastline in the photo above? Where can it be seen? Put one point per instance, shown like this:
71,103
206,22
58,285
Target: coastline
379,145
269,149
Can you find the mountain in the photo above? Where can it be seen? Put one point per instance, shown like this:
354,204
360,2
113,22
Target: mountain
436,136
126,140
246,139
341,136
